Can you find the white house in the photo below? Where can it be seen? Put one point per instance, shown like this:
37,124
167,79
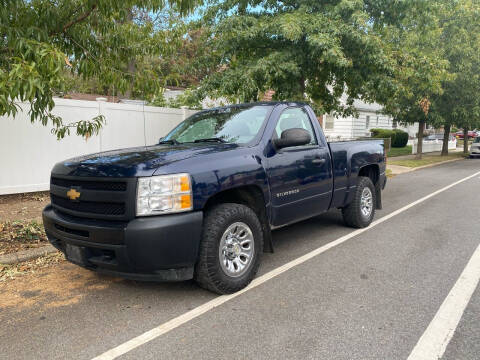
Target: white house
351,127
370,117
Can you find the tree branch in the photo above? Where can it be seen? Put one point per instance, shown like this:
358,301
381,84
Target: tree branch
79,19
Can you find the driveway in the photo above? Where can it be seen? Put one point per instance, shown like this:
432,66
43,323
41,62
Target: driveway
370,294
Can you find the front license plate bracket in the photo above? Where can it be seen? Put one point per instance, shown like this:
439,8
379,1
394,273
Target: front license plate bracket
76,254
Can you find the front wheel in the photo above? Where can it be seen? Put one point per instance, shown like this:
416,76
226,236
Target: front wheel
230,250
361,211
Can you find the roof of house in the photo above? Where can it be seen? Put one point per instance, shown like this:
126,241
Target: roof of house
174,90
90,97
362,105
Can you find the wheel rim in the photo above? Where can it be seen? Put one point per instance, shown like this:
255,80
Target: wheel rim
236,249
366,202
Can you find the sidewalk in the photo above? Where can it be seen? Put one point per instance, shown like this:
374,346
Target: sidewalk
397,169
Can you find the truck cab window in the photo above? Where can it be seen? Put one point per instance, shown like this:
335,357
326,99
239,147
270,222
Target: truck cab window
295,118
234,124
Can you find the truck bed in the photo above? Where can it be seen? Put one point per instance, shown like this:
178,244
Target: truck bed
345,172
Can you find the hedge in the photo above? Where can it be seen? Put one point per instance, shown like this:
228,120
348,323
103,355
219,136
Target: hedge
398,137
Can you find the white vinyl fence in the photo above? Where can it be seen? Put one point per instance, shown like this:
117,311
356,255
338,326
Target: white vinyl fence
29,151
432,146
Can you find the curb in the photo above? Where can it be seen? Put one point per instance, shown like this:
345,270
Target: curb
25,255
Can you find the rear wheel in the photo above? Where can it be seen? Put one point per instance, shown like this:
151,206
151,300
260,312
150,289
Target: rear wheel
230,250
361,211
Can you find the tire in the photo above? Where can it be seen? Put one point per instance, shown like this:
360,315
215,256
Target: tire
353,215
215,269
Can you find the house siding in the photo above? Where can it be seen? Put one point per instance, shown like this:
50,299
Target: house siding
342,128
354,127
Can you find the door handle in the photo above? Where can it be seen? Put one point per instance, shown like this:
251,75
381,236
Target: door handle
318,161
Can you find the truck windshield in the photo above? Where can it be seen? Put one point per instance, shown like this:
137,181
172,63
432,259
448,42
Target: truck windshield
237,125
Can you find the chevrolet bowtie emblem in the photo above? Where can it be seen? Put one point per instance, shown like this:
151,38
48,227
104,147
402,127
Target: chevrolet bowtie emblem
73,194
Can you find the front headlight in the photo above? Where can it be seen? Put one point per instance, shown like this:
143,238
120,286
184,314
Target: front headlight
164,194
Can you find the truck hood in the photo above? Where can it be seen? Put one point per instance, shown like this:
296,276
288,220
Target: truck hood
134,162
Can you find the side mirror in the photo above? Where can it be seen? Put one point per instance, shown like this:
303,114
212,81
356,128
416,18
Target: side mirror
293,137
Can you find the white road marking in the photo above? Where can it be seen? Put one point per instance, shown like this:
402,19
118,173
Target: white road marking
194,313
435,339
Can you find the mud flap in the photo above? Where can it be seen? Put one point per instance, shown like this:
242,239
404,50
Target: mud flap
267,240
378,193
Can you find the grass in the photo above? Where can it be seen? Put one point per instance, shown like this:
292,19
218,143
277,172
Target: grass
460,142
407,150
427,160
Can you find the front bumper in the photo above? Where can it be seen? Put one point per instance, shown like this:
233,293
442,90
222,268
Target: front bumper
158,248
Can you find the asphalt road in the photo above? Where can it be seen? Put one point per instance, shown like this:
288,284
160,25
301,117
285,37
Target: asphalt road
371,297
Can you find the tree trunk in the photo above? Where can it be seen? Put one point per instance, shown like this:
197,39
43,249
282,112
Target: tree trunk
421,129
446,136
131,66
301,82
131,69
465,140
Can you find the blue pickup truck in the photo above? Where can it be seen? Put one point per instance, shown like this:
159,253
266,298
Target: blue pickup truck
203,202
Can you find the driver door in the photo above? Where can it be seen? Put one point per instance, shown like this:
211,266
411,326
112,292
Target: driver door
300,177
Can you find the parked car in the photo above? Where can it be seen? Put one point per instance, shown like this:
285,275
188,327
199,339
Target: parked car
434,137
438,137
471,134
475,147
202,203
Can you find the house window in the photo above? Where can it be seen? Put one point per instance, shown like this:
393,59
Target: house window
367,124
329,122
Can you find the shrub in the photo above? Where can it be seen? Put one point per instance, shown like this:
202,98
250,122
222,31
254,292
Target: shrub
400,138
382,133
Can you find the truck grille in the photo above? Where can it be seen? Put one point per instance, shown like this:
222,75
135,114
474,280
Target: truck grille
90,185
92,207
100,198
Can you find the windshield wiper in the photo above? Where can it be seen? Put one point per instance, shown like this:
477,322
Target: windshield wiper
214,139
170,142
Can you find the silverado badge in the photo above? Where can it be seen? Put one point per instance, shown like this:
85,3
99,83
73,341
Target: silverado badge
73,194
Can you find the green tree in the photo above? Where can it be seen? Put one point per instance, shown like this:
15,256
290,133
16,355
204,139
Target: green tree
90,38
413,41
304,50
459,104
178,60
189,61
